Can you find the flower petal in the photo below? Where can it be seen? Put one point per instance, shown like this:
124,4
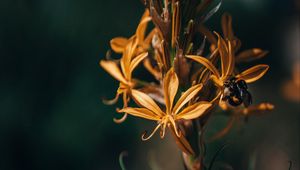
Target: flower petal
254,73
226,58
206,63
194,111
118,44
149,37
216,80
155,72
170,86
137,60
186,97
127,56
231,60
141,29
250,54
140,112
112,68
145,101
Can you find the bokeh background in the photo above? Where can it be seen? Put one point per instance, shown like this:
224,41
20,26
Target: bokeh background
51,86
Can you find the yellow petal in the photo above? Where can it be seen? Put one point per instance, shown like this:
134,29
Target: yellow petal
151,69
254,73
137,60
250,54
127,56
216,80
118,44
149,37
170,86
145,101
226,59
194,111
141,29
186,97
206,63
140,112
112,68
231,60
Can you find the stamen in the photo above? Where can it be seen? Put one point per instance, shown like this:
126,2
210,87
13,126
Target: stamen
108,55
111,101
163,131
121,120
152,133
178,133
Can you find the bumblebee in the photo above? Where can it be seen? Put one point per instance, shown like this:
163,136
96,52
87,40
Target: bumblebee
236,92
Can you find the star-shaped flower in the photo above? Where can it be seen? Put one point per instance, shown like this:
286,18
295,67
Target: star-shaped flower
118,44
128,63
227,67
167,118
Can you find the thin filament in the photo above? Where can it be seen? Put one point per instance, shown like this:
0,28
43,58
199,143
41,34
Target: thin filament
178,134
152,133
121,120
111,101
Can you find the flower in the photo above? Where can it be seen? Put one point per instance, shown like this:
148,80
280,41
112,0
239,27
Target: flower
227,67
128,63
228,34
118,44
151,111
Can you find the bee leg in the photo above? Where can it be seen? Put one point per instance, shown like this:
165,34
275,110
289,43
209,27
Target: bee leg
246,98
233,102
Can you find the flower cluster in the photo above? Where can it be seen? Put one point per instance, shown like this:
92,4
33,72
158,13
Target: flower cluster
193,80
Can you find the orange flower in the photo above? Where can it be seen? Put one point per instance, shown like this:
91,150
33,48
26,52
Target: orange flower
228,34
124,75
151,111
118,44
227,66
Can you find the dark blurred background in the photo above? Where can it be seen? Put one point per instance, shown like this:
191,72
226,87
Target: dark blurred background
51,114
